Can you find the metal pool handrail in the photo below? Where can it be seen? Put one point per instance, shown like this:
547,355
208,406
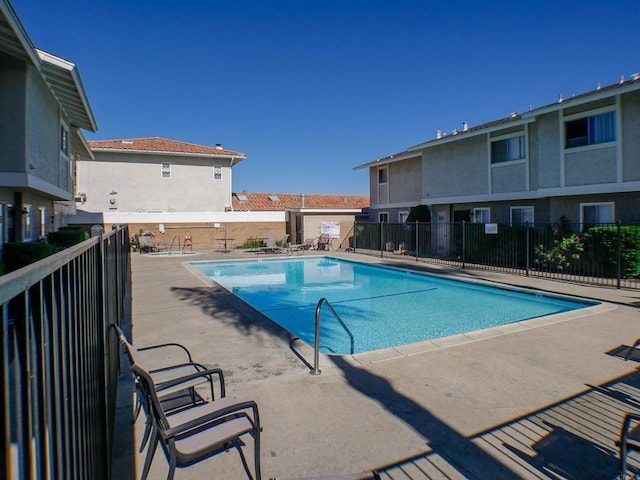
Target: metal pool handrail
316,342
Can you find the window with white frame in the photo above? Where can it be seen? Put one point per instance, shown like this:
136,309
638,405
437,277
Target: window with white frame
383,217
165,170
217,172
383,175
27,234
402,217
43,222
521,216
590,130
64,140
594,214
481,215
508,149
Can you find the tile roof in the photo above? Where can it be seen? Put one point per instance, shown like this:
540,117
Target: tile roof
281,201
156,144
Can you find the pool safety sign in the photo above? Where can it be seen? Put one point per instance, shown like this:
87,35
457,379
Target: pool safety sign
491,228
330,228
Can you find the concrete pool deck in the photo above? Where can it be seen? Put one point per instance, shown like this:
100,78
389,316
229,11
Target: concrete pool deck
534,401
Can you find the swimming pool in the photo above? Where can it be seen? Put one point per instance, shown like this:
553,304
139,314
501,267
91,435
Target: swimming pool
382,307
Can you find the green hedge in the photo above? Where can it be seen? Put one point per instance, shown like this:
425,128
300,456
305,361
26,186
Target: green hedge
67,237
602,243
18,255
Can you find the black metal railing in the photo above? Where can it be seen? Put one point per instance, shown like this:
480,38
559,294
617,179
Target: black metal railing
59,360
605,254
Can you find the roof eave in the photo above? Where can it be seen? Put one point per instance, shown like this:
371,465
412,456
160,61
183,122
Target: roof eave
471,133
237,158
66,84
19,34
397,157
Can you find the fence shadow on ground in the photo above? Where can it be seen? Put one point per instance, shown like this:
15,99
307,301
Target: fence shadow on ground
571,439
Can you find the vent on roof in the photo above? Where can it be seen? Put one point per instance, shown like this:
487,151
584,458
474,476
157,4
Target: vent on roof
242,198
274,198
219,146
127,142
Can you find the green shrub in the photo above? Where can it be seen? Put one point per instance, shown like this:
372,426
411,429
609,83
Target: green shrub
67,237
419,213
602,244
18,255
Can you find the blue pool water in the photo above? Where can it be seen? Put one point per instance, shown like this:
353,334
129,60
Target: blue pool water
382,307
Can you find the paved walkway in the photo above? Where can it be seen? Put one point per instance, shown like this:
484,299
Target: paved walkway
543,402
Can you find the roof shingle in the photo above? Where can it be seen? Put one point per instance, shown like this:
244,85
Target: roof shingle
163,145
282,201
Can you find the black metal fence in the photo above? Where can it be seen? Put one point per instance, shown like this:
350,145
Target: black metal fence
59,360
607,254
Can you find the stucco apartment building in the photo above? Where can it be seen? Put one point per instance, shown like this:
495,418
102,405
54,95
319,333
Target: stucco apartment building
156,175
175,189
43,109
577,159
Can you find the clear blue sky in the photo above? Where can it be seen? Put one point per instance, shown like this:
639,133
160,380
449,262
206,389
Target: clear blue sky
309,89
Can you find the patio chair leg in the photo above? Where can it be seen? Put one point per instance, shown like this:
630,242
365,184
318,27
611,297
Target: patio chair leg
172,465
147,432
153,443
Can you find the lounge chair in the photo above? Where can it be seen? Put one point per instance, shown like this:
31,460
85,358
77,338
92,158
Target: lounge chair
629,440
198,433
269,244
324,242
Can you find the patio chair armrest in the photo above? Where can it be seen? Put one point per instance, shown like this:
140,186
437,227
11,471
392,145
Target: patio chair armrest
205,373
198,366
236,409
165,345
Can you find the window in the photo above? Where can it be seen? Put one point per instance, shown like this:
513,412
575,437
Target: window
383,217
383,175
593,214
481,215
165,170
402,217
508,150
64,140
521,216
217,172
27,235
591,130
43,222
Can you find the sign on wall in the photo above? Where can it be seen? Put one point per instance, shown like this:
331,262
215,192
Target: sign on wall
330,228
491,228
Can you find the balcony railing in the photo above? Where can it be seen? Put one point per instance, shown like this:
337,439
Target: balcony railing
59,360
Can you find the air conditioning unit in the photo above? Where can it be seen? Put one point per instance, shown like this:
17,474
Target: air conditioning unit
80,198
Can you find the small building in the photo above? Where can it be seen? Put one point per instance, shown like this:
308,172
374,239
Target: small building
307,216
43,109
155,175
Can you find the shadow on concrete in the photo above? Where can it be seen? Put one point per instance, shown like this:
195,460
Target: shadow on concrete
228,309
573,439
456,449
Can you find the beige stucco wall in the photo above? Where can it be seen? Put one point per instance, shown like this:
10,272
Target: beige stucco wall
140,187
312,227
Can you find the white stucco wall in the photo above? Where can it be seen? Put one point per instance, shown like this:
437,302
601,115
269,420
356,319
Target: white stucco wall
136,178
